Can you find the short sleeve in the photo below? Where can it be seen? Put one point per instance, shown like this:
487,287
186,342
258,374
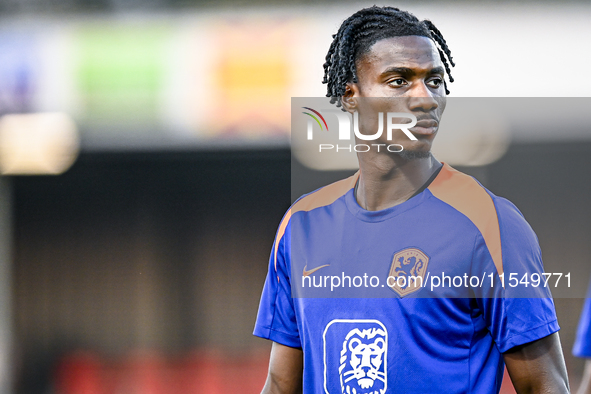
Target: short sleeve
276,319
582,346
518,312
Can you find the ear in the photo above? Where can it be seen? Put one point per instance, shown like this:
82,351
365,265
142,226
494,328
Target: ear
349,99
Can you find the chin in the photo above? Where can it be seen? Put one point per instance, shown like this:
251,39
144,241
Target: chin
415,154
416,150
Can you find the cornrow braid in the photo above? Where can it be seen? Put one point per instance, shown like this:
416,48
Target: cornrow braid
363,29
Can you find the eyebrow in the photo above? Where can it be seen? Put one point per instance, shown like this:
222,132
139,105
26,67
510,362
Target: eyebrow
410,71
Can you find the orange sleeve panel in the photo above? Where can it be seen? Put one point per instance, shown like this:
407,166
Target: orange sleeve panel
321,198
463,193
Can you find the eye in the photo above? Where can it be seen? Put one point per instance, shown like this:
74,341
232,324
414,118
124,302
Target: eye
435,82
397,82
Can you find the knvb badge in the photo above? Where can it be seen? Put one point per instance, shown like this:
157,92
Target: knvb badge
407,271
344,129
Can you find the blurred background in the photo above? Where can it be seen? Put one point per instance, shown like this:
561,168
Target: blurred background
146,164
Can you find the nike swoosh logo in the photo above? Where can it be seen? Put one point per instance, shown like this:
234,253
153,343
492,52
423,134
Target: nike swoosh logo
306,273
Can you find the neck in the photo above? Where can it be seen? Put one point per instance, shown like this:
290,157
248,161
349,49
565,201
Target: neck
389,180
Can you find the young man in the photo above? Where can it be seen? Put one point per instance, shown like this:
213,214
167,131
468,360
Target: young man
404,215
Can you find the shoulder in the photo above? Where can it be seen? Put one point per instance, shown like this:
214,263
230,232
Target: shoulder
517,234
467,196
510,217
323,197
498,220
462,192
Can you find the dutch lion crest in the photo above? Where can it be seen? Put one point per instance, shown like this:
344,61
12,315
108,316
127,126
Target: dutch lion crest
407,271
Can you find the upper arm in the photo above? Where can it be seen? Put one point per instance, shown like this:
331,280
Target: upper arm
538,366
277,321
276,318
286,368
520,310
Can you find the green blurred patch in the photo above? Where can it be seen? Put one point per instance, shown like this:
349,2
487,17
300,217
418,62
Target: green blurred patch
120,72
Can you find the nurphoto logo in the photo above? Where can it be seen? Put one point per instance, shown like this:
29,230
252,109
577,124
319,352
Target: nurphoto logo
344,129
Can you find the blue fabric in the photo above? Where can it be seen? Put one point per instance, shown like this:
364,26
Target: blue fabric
582,346
372,339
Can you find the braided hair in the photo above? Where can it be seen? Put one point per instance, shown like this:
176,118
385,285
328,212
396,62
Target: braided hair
363,29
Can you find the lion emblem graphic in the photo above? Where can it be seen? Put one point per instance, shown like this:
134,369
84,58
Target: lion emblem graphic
408,271
362,368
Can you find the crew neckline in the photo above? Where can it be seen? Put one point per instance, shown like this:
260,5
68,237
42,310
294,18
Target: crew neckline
384,214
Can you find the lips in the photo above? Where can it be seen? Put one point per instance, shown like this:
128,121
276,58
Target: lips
425,127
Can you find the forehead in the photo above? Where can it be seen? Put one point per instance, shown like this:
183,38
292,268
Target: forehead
416,52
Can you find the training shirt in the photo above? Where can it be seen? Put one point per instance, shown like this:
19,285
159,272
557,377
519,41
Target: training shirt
420,305
582,346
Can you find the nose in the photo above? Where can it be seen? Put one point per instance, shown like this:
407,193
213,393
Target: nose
421,98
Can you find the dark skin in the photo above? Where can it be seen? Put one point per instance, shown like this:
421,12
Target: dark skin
405,74
399,74
286,368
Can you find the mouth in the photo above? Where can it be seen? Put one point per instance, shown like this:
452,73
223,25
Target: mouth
425,127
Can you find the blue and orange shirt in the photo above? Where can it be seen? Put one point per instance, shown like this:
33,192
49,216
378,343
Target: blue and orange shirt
416,298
